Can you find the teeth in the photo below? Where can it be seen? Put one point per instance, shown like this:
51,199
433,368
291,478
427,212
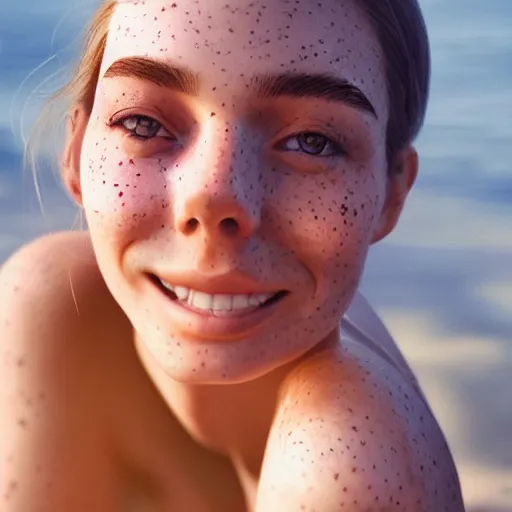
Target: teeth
222,302
200,300
181,293
242,302
206,301
253,301
167,285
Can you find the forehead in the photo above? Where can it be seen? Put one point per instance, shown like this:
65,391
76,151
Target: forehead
223,43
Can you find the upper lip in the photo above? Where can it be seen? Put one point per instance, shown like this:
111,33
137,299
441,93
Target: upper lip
230,283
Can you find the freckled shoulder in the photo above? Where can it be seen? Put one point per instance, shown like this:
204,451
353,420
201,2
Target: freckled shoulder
350,433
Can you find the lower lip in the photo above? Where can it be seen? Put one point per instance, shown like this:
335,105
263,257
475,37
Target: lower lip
205,326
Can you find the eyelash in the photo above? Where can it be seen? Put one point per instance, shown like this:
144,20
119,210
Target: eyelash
337,151
132,132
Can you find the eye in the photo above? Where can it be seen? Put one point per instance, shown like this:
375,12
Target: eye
313,144
143,127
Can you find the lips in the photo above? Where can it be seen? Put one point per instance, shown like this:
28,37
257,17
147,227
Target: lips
213,310
217,303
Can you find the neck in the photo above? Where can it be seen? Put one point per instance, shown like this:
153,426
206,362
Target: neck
232,420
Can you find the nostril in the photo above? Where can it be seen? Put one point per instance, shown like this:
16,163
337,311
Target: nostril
229,226
191,226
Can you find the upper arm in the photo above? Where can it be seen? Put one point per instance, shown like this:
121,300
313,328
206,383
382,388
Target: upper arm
51,445
345,441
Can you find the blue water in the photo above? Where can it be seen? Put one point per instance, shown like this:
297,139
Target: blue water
454,241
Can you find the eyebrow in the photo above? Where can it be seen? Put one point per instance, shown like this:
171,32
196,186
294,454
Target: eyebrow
316,86
158,72
295,85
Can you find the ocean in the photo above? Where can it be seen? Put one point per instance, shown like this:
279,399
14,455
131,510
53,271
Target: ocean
442,282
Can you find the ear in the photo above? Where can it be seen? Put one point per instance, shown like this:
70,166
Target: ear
76,127
403,174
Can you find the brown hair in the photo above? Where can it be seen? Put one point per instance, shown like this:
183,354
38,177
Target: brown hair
400,29
403,37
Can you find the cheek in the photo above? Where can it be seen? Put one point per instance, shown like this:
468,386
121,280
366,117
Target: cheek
120,192
329,219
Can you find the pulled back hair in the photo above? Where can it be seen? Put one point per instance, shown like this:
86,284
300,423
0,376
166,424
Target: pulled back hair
400,30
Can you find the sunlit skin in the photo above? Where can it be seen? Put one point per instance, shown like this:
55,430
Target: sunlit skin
304,222
197,169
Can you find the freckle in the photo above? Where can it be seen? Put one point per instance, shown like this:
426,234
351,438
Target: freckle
13,486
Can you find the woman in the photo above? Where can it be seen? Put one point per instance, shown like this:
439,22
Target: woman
235,162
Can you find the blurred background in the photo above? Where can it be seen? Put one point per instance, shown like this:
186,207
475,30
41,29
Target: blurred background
442,282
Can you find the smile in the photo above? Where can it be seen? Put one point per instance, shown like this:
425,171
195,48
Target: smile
219,316
222,305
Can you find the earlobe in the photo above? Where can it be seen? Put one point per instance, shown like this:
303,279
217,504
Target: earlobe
76,127
400,182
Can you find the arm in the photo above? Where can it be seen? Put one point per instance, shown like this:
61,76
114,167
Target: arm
52,456
347,440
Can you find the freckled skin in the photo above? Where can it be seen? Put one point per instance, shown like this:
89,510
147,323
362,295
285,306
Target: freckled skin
312,219
296,414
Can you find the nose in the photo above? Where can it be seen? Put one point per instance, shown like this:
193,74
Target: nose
217,213
218,191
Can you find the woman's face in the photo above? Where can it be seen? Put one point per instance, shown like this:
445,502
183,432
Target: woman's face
246,171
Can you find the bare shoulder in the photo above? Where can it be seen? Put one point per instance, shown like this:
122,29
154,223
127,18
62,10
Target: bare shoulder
53,307
52,297
53,284
352,434
45,261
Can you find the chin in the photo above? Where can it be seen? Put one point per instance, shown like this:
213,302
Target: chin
214,363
